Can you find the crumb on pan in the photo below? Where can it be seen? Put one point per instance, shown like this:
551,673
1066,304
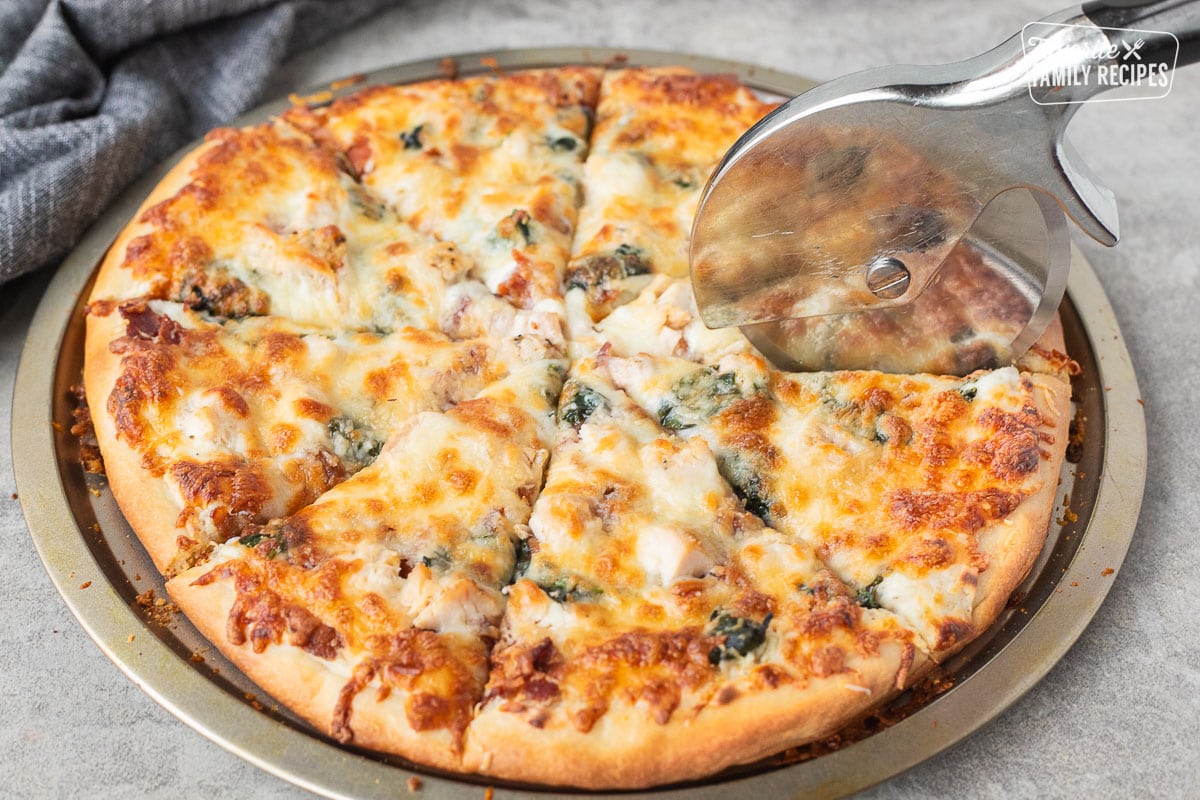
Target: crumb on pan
81,429
157,609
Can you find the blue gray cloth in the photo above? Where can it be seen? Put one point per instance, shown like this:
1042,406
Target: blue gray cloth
95,92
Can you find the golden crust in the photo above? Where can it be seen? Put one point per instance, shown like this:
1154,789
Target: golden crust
308,685
628,750
113,281
1013,545
146,503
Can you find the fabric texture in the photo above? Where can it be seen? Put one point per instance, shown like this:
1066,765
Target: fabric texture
95,92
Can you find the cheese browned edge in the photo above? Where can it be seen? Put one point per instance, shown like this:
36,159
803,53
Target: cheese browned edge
310,686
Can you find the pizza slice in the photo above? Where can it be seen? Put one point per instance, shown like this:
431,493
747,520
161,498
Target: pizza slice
370,613
493,163
232,424
930,495
268,220
660,131
656,631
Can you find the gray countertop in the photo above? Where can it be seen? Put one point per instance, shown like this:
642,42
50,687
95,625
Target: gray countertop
1118,717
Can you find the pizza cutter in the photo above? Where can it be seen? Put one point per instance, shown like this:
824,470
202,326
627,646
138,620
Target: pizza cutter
913,218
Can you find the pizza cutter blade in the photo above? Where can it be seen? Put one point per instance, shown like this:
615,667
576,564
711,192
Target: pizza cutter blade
913,218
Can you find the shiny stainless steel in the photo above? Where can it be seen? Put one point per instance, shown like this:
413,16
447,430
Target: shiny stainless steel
81,536
887,277
1009,272
900,162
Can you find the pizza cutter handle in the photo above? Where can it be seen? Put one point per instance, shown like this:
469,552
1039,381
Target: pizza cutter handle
1123,37
1178,17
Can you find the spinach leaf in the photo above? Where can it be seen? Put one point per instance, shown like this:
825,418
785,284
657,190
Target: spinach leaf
867,596
412,139
578,402
741,636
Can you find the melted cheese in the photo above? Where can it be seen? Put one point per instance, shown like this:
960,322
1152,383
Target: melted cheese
292,411
484,162
659,133
890,479
350,377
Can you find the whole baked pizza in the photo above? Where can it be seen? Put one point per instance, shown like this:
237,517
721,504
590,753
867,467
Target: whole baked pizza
408,398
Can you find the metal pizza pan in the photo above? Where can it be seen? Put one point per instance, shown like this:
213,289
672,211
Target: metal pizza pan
82,536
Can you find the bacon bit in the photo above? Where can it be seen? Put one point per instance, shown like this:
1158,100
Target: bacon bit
448,67
1107,571
82,429
488,793
85,584
129,638
141,322
352,80
358,156
14,495
1068,517
196,658
1074,584
1141,402
310,634
414,783
492,64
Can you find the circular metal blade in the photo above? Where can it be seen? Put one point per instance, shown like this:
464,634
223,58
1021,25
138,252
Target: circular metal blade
991,298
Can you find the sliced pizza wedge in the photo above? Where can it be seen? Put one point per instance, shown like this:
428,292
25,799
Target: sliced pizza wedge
930,495
268,220
493,163
232,424
659,133
657,631
371,612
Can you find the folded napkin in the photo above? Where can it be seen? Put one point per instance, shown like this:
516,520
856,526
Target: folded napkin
95,92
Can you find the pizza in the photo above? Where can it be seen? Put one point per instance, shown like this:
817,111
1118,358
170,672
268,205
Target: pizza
408,398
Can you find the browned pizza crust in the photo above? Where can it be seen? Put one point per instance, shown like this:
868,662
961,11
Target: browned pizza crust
113,281
628,750
308,685
1013,544
147,503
